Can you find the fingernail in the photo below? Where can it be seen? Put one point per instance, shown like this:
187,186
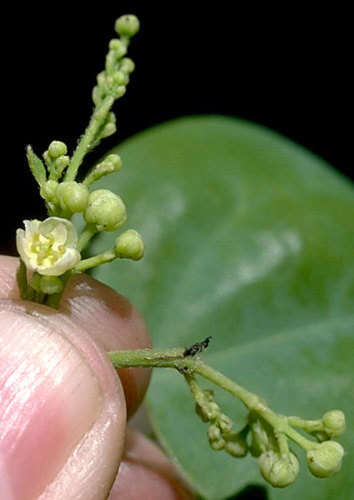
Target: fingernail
49,399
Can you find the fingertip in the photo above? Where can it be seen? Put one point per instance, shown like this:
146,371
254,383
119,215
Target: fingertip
112,322
108,317
8,285
62,408
145,472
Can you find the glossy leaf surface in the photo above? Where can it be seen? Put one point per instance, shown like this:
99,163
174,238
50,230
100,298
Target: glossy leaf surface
250,239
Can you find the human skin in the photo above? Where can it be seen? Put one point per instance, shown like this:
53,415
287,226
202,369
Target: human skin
63,409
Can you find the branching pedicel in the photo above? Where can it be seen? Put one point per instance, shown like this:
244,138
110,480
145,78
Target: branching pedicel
50,252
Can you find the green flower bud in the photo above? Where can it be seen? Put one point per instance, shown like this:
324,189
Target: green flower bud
127,25
236,445
334,423
120,91
97,95
101,80
72,196
127,65
225,423
35,282
118,48
48,190
200,411
47,158
278,470
326,459
62,162
113,162
216,440
108,130
106,210
129,245
56,149
120,78
51,284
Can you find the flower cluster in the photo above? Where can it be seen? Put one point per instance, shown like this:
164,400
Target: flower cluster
51,249
267,442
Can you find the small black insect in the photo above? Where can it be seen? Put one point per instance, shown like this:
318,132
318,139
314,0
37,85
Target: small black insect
197,348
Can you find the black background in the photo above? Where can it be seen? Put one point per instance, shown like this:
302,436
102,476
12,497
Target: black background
289,70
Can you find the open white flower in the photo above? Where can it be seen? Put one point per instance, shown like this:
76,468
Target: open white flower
48,247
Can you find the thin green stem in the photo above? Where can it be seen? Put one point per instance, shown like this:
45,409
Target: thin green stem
306,425
97,260
88,232
282,444
193,365
196,391
54,300
21,276
85,143
174,358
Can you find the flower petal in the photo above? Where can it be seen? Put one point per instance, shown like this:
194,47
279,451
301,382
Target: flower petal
70,258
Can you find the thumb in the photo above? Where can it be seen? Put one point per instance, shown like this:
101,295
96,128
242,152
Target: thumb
62,408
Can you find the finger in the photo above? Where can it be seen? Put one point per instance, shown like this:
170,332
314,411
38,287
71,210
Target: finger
108,317
146,473
62,417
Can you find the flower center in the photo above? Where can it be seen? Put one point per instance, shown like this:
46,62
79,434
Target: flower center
45,249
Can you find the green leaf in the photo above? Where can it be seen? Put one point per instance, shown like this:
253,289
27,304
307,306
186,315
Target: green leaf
250,239
36,165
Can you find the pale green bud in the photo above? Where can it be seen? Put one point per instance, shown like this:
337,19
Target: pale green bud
97,94
127,65
129,245
202,414
127,25
225,423
56,149
35,282
62,162
51,284
216,440
72,196
278,470
334,423
48,190
326,459
121,78
47,158
106,210
108,130
113,162
101,79
118,47
120,91
236,445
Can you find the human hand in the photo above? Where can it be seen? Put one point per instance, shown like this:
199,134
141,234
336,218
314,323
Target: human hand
63,410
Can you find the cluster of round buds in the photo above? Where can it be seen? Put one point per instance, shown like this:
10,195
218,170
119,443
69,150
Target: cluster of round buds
51,249
115,78
56,159
279,466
